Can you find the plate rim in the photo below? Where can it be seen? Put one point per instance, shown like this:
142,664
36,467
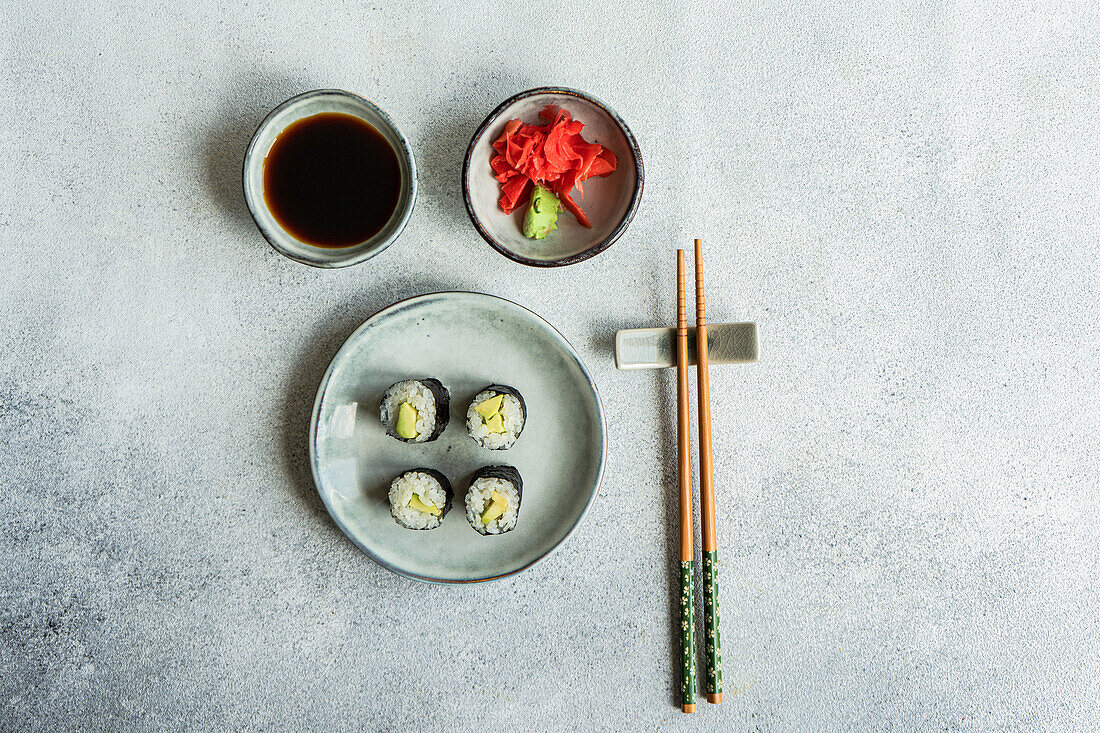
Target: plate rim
323,388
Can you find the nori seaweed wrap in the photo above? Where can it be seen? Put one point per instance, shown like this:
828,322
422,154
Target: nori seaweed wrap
420,498
415,410
496,417
493,499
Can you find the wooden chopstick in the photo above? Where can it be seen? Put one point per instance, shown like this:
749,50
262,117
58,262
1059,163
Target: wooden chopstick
688,683
713,640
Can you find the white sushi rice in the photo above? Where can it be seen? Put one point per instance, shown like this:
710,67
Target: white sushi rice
480,496
417,395
401,493
510,411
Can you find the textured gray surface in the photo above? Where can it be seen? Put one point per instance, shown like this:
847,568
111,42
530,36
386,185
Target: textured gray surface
905,200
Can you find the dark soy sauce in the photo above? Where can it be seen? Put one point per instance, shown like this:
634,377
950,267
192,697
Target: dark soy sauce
331,180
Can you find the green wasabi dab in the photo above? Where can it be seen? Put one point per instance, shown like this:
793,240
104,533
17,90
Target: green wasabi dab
542,214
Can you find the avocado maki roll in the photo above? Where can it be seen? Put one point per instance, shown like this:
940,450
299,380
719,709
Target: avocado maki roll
496,417
416,410
420,498
492,502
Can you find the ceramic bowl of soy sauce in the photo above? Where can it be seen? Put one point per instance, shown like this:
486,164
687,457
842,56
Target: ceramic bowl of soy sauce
329,179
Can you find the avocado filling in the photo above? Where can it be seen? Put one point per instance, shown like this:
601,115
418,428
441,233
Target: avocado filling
423,506
495,509
490,413
488,408
406,421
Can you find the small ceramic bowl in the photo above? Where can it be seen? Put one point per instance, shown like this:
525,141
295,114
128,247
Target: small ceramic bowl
307,105
609,202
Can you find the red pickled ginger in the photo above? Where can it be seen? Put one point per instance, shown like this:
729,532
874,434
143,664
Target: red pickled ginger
553,155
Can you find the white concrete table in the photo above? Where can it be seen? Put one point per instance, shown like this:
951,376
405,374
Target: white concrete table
905,200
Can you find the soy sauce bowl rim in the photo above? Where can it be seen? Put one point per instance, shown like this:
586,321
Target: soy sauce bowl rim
309,254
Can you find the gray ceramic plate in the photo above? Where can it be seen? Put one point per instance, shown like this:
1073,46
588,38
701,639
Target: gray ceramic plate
467,340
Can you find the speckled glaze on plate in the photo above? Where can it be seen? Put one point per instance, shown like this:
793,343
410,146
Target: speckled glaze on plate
449,336
307,105
610,202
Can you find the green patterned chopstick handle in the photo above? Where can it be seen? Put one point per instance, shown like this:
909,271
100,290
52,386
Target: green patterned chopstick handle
713,640
688,683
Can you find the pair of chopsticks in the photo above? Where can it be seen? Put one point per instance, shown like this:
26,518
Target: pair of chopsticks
712,642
